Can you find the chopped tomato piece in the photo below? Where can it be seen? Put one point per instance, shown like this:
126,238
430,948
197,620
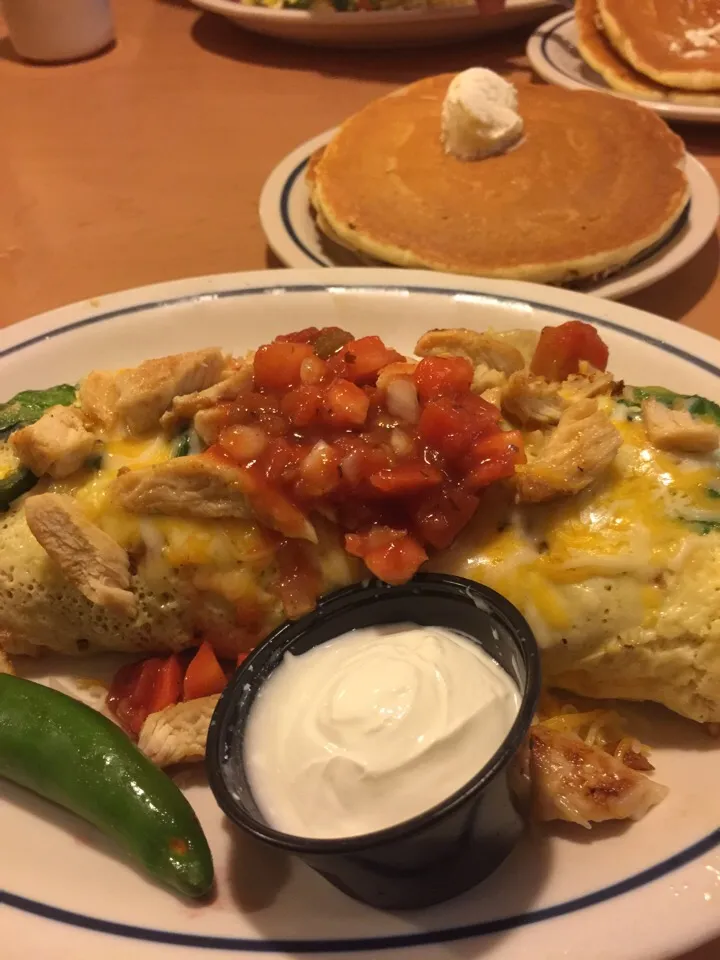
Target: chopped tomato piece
281,461
142,688
204,675
361,360
346,405
494,457
560,350
277,365
443,377
241,658
299,582
406,478
168,685
303,405
448,426
392,555
482,410
443,514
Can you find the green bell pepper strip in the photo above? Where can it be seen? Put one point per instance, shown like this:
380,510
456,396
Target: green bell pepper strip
71,754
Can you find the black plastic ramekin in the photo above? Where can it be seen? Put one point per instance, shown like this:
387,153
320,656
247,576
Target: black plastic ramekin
451,846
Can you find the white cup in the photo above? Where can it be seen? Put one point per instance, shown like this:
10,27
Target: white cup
52,30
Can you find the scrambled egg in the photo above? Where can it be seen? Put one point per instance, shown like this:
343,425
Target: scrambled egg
621,583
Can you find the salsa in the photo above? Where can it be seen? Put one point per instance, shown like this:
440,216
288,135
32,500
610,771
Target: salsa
396,453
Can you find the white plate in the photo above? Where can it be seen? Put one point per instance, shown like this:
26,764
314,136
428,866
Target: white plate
291,232
647,892
553,53
377,28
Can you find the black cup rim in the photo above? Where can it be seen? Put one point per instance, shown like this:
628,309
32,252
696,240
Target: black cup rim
339,599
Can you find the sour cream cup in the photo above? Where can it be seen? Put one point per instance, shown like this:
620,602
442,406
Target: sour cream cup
453,845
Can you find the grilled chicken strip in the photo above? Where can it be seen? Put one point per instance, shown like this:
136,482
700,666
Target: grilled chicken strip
98,396
57,444
482,349
569,780
178,733
532,400
138,396
89,559
678,430
187,406
199,486
578,451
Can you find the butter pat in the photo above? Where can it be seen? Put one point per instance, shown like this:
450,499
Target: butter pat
479,115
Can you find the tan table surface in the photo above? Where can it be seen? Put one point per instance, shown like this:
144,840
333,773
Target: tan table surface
146,163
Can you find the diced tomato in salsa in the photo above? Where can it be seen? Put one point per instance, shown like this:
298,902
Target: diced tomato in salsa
494,457
407,478
204,675
277,365
392,555
442,514
303,405
560,350
450,425
361,360
443,377
346,404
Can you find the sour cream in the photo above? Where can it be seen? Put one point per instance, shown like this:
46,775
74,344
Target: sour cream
373,728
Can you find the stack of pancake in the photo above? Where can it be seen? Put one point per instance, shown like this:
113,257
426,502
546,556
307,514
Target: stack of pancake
654,49
595,182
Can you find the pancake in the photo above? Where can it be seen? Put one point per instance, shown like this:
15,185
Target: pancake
674,42
594,183
599,53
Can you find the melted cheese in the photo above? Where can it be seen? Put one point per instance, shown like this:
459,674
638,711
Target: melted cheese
179,541
602,555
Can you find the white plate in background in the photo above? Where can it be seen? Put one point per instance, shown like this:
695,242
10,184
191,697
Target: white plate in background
377,28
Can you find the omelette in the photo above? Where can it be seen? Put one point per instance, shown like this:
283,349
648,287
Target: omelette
591,505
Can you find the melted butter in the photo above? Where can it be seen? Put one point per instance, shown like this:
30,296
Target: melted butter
373,728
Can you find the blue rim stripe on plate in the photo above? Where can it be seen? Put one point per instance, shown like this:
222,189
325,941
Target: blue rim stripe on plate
391,941
285,214
550,35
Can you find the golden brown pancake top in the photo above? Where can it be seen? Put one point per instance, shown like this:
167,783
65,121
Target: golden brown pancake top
593,174
664,38
602,56
599,53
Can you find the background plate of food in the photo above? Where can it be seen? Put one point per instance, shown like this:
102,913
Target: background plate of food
618,572
572,50
292,230
382,23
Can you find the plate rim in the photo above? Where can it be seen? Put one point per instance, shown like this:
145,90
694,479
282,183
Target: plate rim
285,242
239,11
689,344
536,53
